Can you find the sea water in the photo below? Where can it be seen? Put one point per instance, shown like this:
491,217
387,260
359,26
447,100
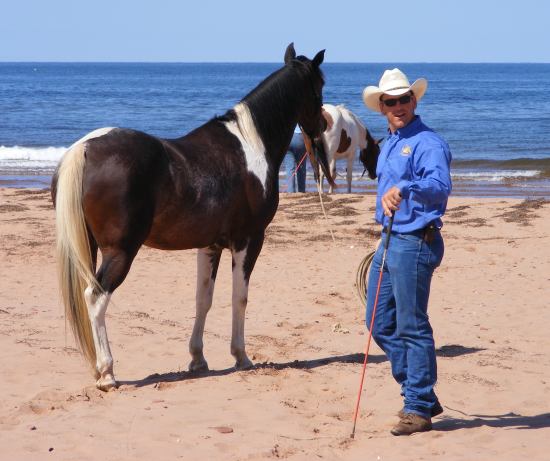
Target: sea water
495,117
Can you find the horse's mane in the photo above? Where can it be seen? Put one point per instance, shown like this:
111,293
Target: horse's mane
293,78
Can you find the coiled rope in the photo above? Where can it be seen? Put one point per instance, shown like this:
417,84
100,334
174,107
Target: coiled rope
361,278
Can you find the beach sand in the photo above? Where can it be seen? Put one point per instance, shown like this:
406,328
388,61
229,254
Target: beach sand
305,332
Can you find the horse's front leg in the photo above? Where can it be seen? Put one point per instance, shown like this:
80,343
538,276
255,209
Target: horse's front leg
321,179
208,260
244,259
349,175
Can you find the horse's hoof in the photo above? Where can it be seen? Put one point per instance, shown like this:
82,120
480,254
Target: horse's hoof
198,365
244,364
106,384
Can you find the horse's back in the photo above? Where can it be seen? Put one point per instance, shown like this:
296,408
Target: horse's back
165,190
335,115
123,161
121,177
342,138
351,118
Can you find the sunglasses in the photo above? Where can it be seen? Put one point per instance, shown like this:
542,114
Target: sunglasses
402,100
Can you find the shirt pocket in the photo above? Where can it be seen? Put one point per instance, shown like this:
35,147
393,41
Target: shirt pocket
400,166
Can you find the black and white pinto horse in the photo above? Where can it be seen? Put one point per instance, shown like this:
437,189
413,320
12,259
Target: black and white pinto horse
344,135
217,187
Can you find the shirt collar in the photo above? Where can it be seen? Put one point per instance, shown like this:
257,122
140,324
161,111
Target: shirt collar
408,130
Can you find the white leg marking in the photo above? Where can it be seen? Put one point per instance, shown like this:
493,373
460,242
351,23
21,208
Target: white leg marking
332,170
97,306
321,179
251,142
205,291
239,302
350,169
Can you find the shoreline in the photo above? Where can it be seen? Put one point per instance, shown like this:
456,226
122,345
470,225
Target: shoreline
520,189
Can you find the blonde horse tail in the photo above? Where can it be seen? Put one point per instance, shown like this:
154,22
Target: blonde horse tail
74,257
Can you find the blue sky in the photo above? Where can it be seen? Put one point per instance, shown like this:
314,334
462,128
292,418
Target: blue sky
211,31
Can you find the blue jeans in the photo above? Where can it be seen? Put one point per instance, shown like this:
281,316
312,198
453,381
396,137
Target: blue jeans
291,160
401,327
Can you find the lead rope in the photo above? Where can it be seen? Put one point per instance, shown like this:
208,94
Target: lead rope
325,213
318,188
299,164
386,245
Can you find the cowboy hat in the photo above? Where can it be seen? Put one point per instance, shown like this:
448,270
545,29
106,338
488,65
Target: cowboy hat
395,83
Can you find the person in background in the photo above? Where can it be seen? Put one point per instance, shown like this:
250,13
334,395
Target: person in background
414,182
296,150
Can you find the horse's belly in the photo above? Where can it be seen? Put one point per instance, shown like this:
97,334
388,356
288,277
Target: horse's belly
184,237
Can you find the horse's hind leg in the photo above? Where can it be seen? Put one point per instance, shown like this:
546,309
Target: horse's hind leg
332,171
114,268
208,260
243,263
97,306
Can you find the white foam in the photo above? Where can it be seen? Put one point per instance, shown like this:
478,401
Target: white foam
30,158
471,175
495,175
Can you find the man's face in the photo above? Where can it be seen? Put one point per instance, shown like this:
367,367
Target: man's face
400,112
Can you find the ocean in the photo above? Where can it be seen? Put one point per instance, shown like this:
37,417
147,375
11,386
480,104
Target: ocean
495,117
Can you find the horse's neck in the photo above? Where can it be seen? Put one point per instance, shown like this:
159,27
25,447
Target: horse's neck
276,133
275,116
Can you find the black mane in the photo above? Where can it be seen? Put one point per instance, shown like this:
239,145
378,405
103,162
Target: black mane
282,89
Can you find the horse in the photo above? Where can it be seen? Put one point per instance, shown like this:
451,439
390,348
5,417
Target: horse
343,136
215,188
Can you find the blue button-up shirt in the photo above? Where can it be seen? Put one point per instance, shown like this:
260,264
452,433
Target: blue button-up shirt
416,160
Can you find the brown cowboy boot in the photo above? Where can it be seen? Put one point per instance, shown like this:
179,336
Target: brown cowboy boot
411,423
436,410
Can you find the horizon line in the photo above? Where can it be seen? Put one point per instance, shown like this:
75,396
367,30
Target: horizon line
263,62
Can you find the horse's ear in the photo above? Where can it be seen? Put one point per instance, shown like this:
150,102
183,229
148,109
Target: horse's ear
290,53
318,59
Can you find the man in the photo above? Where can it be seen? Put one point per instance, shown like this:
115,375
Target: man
414,183
295,175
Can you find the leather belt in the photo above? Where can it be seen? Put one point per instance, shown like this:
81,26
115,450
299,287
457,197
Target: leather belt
427,233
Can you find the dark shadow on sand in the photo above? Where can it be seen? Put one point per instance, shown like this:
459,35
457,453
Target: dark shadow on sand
452,350
456,350
506,421
298,364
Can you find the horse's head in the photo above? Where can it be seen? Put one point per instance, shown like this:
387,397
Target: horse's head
369,155
310,116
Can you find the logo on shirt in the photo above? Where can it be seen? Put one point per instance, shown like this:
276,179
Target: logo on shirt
406,151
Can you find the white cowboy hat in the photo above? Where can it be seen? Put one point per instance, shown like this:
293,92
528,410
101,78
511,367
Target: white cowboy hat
395,83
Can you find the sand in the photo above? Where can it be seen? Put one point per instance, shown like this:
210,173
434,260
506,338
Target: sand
305,332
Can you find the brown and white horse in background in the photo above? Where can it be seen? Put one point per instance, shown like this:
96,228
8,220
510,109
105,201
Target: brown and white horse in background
344,135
